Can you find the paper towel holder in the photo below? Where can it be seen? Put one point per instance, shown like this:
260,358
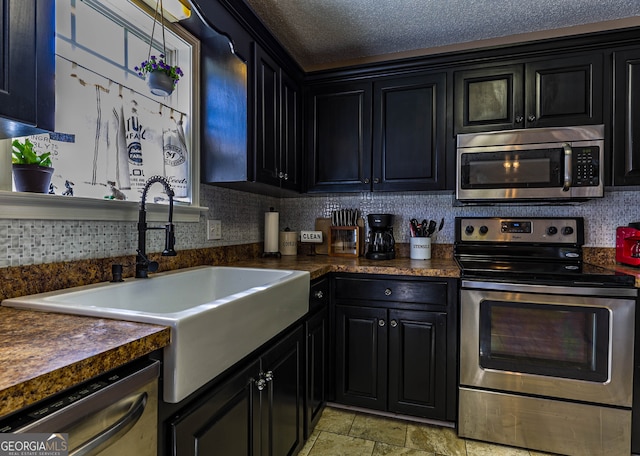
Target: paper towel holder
275,253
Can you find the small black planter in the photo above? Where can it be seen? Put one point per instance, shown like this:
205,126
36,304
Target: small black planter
160,83
32,178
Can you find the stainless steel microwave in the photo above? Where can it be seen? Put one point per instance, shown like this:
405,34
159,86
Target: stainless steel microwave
534,164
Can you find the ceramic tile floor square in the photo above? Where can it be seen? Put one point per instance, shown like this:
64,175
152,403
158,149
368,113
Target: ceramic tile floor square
343,432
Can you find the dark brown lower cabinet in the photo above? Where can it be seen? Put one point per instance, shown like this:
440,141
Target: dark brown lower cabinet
396,344
317,327
392,360
417,356
257,411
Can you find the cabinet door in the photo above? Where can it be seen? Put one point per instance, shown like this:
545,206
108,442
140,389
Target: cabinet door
267,109
489,99
564,92
222,422
339,137
361,356
317,331
282,400
417,363
626,138
409,133
27,91
290,171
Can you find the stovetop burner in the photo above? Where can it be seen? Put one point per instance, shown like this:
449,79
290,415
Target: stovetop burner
529,250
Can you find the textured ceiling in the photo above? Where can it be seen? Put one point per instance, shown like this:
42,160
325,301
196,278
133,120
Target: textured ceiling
329,33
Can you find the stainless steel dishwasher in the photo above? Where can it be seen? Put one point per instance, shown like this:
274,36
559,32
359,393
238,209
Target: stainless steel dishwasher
113,414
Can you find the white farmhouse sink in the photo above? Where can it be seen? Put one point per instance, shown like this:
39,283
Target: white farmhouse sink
217,314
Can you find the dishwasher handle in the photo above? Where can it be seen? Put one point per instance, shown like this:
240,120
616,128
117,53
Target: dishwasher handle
116,430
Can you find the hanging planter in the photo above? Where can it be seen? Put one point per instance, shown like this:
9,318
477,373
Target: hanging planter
161,77
160,82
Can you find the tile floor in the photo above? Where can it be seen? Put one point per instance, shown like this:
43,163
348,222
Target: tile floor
342,432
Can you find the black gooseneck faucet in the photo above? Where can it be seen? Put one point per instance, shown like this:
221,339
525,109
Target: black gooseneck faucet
143,265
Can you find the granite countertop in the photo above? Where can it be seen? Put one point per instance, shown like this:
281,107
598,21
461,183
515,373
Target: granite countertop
44,353
319,265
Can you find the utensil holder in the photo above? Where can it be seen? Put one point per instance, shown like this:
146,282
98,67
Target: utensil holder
344,241
420,248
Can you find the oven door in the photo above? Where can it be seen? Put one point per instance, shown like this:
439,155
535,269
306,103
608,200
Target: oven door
564,342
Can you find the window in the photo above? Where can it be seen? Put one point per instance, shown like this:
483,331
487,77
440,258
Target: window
102,104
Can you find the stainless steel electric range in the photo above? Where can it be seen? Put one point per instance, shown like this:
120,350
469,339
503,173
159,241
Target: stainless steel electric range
546,341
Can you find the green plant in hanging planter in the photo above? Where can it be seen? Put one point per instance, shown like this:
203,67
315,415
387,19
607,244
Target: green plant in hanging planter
23,154
161,77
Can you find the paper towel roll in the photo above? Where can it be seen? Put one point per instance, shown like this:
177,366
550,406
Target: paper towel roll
271,222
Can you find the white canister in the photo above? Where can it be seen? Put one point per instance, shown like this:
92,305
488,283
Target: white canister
420,248
288,242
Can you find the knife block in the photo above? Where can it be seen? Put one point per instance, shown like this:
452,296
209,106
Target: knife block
344,241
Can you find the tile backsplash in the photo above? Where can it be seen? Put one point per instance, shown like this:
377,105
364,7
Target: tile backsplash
25,242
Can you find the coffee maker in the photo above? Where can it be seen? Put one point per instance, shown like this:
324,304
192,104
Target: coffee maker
628,244
380,241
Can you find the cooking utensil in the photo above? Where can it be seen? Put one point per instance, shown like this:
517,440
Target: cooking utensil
431,228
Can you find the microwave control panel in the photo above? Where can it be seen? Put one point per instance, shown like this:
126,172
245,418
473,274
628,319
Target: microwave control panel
586,166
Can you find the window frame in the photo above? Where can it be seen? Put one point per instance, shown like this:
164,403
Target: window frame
19,205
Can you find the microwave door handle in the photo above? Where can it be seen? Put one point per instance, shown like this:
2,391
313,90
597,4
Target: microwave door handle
567,167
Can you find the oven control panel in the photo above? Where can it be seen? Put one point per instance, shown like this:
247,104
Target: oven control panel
561,230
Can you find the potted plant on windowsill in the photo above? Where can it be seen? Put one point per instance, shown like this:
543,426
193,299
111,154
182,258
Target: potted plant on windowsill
161,77
31,171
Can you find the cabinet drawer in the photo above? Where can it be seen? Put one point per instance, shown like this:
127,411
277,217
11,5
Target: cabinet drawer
409,291
318,295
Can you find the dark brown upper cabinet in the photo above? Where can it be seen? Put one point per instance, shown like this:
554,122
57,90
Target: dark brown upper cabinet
409,133
541,93
339,137
277,142
380,135
626,121
27,67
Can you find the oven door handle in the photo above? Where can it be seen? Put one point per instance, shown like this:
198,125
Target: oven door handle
113,432
568,178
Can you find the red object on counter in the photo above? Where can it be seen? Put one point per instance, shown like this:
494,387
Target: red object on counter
628,245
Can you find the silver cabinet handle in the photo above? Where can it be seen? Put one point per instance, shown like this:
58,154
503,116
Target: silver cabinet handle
567,167
286,176
318,294
394,323
531,118
519,119
376,180
381,323
366,180
114,431
387,292
264,378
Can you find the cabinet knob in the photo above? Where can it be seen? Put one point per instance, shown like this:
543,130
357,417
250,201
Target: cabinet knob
261,384
268,376
531,118
376,180
366,180
519,119
381,323
286,176
387,292
394,323
318,294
